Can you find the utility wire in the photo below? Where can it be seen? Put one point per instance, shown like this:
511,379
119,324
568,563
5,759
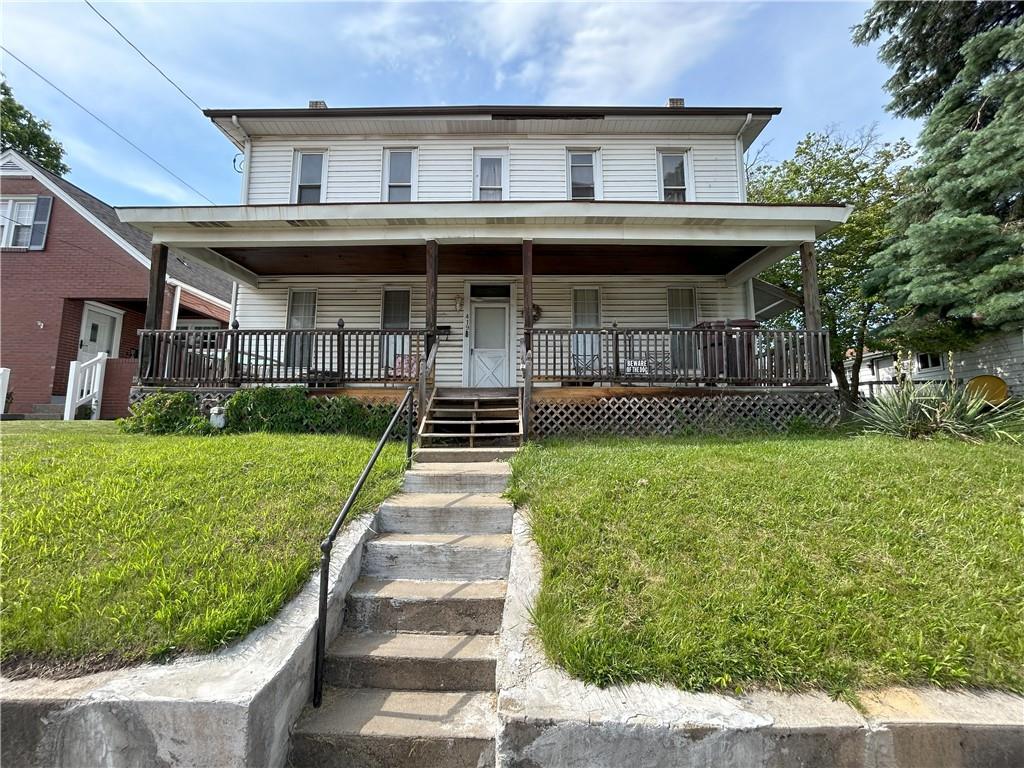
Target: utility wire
105,124
144,56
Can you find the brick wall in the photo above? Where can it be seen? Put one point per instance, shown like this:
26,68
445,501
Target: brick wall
117,383
41,295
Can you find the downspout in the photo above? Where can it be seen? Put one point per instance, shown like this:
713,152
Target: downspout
174,307
740,165
234,304
246,158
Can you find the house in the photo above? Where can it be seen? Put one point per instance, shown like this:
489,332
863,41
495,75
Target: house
1000,355
76,283
596,264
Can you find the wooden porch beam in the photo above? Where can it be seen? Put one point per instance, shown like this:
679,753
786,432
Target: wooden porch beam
809,279
431,279
528,288
157,286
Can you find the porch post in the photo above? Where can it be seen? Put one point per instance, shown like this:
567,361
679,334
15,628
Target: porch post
431,293
809,279
157,286
527,336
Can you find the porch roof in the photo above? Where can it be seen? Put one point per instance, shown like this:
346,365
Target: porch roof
607,237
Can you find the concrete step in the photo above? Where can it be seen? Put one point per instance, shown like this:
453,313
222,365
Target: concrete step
445,513
404,605
437,557
412,661
461,477
57,408
366,728
44,416
462,455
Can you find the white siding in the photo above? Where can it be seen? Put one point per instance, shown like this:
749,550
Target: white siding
632,302
537,167
1000,355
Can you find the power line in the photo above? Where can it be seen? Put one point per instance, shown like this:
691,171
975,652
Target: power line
144,56
105,124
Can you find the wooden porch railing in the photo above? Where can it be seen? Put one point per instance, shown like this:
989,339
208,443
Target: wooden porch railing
733,356
324,358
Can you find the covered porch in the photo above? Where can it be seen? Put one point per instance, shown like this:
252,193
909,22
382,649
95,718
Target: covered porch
586,300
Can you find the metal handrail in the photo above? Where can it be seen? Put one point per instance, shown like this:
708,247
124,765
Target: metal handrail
328,543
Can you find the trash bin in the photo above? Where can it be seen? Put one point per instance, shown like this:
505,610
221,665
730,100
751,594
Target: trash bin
728,354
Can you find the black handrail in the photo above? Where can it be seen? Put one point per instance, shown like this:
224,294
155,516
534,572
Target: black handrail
328,544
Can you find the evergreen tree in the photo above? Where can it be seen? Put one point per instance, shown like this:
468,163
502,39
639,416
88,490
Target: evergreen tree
20,130
958,263
825,168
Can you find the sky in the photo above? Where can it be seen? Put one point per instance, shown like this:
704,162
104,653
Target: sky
797,56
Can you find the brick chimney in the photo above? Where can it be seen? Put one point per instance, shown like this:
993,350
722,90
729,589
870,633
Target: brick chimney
676,102
317,104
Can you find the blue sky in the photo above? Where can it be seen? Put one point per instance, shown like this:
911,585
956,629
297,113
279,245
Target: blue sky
235,54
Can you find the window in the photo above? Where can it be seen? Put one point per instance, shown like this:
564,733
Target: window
586,347
491,175
682,313
394,349
301,315
928,360
583,175
309,177
586,308
16,224
673,176
398,167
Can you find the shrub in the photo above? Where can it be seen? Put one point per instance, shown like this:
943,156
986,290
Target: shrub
290,409
268,409
925,410
166,413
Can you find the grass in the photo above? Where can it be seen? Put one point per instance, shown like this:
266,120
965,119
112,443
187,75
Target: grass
118,548
797,562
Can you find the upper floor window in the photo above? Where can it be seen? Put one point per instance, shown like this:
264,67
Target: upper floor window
584,175
309,177
928,360
24,222
672,165
399,170
491,175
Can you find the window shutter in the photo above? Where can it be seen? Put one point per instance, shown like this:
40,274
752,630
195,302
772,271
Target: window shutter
40,223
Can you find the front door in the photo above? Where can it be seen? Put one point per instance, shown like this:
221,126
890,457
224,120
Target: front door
99,333
488,352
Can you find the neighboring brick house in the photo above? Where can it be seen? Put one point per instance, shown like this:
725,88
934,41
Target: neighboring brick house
74,281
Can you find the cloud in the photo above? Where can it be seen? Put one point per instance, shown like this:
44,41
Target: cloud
128,173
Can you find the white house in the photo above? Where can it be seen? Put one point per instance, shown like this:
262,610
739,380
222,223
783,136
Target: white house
1000,355
546,251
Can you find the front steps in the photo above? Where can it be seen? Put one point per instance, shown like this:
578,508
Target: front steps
410,678
472,418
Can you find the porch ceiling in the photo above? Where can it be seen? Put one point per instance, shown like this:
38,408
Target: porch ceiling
492,259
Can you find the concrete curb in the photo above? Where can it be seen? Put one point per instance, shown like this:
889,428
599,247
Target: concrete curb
547,718
230,708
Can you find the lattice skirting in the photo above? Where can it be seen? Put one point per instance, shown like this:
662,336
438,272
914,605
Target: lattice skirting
210,398
670,415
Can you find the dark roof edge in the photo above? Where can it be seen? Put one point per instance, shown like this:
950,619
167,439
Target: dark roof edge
354,204
499,112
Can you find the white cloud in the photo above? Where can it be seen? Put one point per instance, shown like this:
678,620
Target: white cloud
131,174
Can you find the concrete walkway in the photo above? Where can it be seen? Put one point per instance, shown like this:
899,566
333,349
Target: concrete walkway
411,676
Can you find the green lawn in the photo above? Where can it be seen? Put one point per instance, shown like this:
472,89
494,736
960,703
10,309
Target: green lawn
117,548
792,562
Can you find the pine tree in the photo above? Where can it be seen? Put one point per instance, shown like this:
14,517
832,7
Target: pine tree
959,260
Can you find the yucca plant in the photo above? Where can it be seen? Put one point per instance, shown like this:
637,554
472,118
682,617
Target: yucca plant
924,410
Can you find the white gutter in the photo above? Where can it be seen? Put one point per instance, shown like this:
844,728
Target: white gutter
741,166
174,307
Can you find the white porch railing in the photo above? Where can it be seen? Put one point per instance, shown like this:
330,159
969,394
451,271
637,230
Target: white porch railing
85,386
5,379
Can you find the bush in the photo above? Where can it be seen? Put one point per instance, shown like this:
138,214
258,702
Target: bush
290,409
166,413
922,411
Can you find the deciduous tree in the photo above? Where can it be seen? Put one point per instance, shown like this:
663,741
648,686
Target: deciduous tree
20,130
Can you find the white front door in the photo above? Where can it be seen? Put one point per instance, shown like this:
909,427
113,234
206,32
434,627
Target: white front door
488,352
100,333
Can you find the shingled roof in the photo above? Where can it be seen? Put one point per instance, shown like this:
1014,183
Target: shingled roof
179,266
